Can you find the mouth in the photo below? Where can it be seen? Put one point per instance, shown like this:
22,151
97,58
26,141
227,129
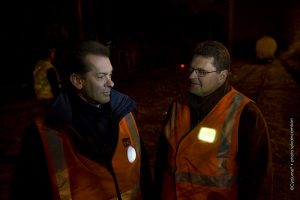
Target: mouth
194,83
106,93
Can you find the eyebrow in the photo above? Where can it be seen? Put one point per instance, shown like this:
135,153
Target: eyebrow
199,69
104,73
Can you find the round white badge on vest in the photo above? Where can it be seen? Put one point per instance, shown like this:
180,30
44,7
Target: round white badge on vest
131,154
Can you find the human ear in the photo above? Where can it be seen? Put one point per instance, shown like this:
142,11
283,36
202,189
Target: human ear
77,81
223,75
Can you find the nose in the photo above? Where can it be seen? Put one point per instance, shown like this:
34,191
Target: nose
192,74
109,82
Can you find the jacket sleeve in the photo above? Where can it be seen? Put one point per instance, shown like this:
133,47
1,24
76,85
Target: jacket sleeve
30,179
254,156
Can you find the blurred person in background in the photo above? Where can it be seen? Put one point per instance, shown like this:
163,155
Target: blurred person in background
46,79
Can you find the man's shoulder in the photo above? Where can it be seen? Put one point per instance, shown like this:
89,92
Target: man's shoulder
242,95
117,94
119,97
43,64
121,104
251,107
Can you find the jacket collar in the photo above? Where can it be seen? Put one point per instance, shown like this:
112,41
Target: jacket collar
62,109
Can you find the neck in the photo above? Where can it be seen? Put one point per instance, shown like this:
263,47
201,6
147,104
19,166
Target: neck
92,103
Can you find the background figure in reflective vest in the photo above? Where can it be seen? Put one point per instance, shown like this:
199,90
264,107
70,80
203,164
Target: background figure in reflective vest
215,143
88,147
46,79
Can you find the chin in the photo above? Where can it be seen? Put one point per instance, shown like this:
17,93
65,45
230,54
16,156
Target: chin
197,93
194,90
105,100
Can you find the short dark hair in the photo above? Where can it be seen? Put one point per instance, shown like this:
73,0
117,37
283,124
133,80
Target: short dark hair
45,51
78,63
216,50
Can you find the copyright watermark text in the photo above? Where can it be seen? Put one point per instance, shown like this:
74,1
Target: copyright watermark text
292,155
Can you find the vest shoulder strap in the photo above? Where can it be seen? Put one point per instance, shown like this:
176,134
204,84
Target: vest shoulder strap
56,163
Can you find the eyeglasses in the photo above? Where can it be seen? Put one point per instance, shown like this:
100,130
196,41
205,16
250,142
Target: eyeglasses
200,72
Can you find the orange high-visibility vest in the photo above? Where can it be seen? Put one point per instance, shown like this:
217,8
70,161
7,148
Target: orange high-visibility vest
199,169
42,87
76,177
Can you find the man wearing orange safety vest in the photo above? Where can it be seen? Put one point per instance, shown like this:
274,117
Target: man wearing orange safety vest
215,143
88,146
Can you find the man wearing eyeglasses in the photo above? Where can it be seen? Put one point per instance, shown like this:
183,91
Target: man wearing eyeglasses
215,142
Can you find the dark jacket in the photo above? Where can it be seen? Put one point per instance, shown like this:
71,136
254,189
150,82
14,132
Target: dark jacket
254,154
95,137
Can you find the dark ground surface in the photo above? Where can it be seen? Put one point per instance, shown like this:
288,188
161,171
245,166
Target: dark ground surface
270,85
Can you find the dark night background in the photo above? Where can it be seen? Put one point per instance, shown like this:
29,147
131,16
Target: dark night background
159,31
146,37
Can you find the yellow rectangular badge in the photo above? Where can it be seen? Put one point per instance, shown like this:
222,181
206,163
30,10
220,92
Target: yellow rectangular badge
207,134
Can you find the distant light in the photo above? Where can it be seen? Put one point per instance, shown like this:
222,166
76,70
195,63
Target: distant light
207,135
182,66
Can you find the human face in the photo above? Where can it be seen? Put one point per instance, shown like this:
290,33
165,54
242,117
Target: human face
97,83
204,85
51,55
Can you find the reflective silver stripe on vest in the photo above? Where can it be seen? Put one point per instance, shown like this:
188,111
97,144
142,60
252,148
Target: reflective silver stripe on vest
135,135
226,135
130,194
224,179
219,181
59,163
